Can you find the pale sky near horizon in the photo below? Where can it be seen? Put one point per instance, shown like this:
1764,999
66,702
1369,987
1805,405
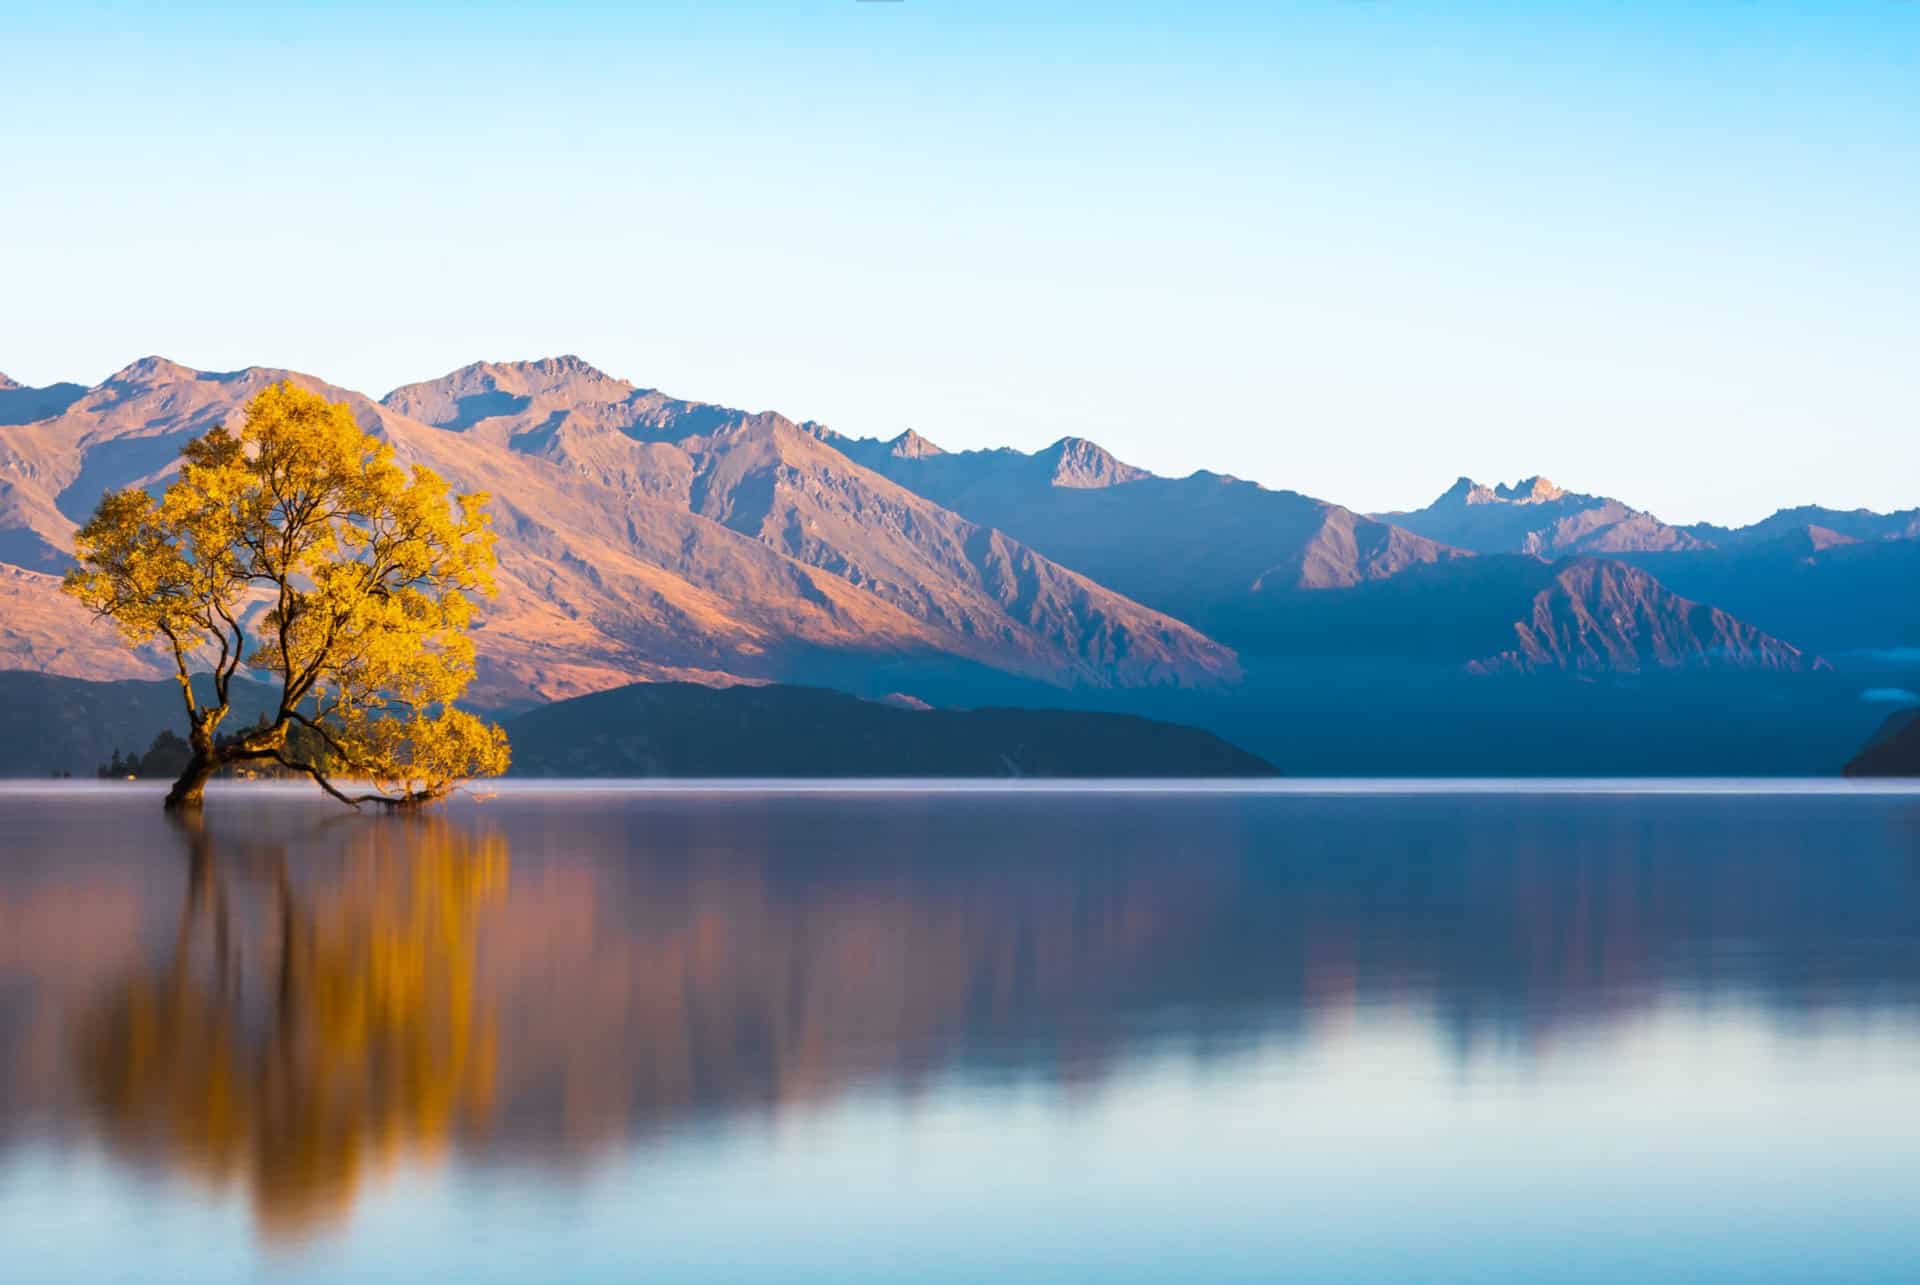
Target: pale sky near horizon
1353,247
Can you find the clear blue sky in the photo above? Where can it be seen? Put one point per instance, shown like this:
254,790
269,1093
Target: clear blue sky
1669,251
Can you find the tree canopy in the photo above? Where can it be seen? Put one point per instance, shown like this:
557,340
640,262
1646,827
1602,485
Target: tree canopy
299,547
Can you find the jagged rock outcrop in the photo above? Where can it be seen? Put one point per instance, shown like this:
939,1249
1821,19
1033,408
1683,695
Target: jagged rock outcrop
1535,516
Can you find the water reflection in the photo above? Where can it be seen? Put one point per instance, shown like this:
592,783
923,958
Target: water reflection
288,1004
298,1035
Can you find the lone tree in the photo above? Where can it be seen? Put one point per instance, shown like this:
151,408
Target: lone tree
299,547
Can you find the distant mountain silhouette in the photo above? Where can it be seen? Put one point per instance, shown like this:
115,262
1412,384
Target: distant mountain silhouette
686,730
1535,516
1849,524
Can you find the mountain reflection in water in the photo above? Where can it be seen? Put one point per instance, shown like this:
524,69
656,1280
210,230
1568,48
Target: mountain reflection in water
302,1030
284,1002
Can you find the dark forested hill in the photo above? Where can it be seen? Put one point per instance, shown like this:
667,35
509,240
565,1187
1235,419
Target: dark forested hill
1894,749
683,729
50,724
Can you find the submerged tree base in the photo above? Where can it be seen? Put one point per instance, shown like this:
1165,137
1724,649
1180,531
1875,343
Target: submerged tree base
190,790
188,794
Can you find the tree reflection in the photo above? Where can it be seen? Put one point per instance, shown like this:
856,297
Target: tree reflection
298,1038
328,1002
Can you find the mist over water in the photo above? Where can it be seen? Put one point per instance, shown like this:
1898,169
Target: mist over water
1580,1032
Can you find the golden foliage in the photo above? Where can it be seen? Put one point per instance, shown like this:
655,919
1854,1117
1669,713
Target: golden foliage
300,547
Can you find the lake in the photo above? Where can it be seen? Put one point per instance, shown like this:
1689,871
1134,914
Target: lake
1311,1032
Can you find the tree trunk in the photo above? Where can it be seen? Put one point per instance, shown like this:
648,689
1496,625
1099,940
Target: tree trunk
185,796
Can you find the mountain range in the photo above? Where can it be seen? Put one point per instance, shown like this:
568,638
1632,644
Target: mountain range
645,537
1832,580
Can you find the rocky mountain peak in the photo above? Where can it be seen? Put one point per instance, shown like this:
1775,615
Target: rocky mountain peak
1077,462
566,367
491,389
152,370
911,446
1531,490
546,374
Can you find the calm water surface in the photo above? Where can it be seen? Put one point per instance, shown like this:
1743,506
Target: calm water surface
1321,1034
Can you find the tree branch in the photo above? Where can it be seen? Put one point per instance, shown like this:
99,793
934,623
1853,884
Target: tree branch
320,779
325,735
182,674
